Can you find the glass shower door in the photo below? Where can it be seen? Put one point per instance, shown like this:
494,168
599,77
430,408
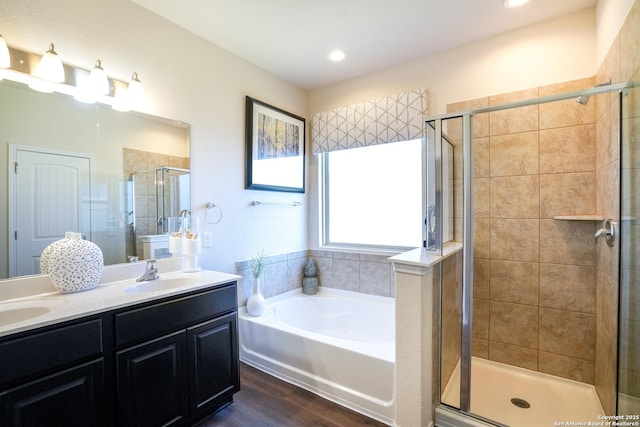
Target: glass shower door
629,316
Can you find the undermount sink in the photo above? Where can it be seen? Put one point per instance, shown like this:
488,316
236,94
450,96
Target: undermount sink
161,284
14,312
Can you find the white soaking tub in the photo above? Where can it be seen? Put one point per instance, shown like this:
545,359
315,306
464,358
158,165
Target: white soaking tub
337,344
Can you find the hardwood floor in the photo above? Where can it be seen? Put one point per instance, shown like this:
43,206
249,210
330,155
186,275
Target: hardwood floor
267,401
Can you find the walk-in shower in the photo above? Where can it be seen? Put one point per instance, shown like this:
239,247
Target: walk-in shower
154,195
531,332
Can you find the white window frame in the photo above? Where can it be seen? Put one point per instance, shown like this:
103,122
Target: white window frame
325,220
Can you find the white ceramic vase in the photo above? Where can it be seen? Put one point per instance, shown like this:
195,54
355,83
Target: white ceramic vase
73,264
256,303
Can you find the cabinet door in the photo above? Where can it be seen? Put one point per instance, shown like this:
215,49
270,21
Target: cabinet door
73,397
152,386
213,364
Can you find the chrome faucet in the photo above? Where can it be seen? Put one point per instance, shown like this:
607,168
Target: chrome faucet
151,272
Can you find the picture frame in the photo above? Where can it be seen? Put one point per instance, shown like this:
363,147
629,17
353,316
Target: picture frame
275,147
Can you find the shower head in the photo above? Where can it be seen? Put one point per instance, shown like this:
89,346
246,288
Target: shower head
583,99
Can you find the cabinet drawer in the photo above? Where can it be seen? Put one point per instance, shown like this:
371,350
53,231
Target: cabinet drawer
43,351
158,319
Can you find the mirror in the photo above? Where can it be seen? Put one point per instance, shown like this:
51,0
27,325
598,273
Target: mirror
52,142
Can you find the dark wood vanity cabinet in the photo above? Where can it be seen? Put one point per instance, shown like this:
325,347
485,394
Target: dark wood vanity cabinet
55,376
177,361
166,362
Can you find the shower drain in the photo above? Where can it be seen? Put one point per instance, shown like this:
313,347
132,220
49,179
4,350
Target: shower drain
520,403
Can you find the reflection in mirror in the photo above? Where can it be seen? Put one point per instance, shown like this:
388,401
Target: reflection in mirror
155,195
71,167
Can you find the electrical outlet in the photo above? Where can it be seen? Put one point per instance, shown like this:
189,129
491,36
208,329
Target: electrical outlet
207,239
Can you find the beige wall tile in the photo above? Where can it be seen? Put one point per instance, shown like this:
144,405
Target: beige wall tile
629,295
566,113
566,367
606,146
605,375
481,278
567,194
630,345
607,303
567,242
481,125
568,149
631,133
569,287
514,281
515,324
609,71
568,332
608,191
564,87
629,46
480,348
480,157
629,382
515,239
481,238
516,119
480,318
480,121
515,197
630,200
482,197
514,154
513,355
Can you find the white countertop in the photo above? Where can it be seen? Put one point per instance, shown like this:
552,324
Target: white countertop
420,257
32,302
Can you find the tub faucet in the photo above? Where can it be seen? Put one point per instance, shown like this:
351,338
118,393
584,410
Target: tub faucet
151,272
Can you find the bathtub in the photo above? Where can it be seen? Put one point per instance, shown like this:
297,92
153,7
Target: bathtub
337,344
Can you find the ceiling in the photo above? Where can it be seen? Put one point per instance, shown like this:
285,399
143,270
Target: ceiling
292,38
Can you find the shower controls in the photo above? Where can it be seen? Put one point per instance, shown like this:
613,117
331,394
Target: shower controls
608,232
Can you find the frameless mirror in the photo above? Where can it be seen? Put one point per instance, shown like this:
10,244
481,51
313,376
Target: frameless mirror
71,167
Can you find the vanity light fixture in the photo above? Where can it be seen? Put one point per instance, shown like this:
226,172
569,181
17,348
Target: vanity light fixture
47,74
337,55
50,67
5,59
92,86
49,70
514,3
133,96
98,80
135,92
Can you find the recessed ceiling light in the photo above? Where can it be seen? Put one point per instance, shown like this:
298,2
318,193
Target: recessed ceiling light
514,3
337,55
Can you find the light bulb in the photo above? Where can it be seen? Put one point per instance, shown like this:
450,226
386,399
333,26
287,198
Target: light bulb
50,67
98,80
135,92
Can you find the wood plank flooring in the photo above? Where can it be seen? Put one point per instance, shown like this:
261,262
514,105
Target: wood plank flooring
267,401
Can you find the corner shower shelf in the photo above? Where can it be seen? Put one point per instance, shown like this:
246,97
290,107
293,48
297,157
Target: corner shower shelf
579,217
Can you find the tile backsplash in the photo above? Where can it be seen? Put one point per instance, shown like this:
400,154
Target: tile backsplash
357,272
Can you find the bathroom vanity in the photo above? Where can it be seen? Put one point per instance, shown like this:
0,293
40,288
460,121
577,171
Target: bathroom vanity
152,353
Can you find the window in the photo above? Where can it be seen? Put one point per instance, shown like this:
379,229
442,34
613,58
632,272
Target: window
373,196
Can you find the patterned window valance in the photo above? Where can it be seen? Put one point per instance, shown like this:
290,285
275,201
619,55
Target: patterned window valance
390,119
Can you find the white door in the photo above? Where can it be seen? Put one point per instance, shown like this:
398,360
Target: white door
52,196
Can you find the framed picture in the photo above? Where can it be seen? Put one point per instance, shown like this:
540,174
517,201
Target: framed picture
275,148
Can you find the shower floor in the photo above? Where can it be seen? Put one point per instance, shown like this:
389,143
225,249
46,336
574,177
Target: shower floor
553,401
